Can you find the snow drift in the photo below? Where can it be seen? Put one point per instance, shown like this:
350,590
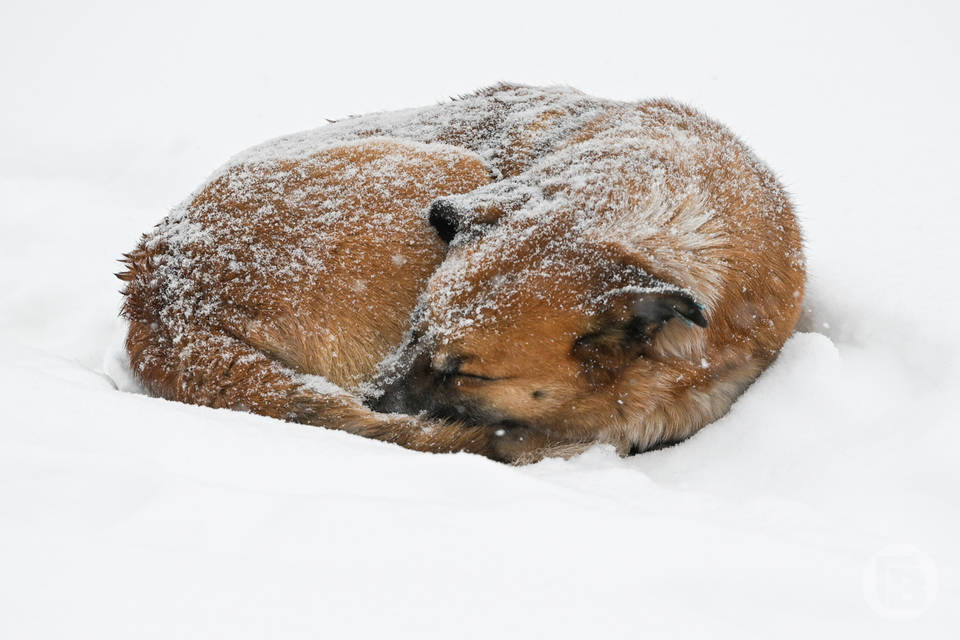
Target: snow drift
825,502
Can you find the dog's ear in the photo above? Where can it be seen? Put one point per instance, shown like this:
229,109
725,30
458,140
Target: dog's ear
652,309
452,215
627,323
481,207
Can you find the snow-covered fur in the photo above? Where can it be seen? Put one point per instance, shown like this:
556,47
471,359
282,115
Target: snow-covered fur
278,285
570,309
625,287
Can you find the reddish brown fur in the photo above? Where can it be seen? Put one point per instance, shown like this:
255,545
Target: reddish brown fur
562,373
247,352
546,361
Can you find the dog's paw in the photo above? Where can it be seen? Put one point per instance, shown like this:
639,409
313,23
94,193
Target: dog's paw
521,445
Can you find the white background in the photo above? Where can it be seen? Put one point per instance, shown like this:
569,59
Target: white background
124,516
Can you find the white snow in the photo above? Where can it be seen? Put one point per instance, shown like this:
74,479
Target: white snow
826,502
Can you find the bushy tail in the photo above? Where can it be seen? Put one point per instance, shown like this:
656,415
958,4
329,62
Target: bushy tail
213,369
208,366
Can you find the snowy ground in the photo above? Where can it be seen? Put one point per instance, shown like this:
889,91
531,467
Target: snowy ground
826,502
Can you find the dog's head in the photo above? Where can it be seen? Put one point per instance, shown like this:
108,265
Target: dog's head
530,321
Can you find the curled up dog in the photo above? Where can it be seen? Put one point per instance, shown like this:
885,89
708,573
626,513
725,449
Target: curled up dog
616,272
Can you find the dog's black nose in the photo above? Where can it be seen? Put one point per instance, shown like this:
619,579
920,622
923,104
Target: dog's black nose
444,218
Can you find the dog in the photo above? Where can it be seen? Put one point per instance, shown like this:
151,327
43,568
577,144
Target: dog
627,273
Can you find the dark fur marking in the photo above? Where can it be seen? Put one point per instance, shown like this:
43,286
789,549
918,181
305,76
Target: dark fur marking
444,218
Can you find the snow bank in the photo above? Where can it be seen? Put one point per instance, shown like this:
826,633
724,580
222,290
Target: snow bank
137,516
825,503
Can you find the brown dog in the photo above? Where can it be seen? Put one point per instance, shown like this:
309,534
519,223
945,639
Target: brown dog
631,273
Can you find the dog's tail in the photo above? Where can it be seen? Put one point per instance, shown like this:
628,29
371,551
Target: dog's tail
209,366
213,369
